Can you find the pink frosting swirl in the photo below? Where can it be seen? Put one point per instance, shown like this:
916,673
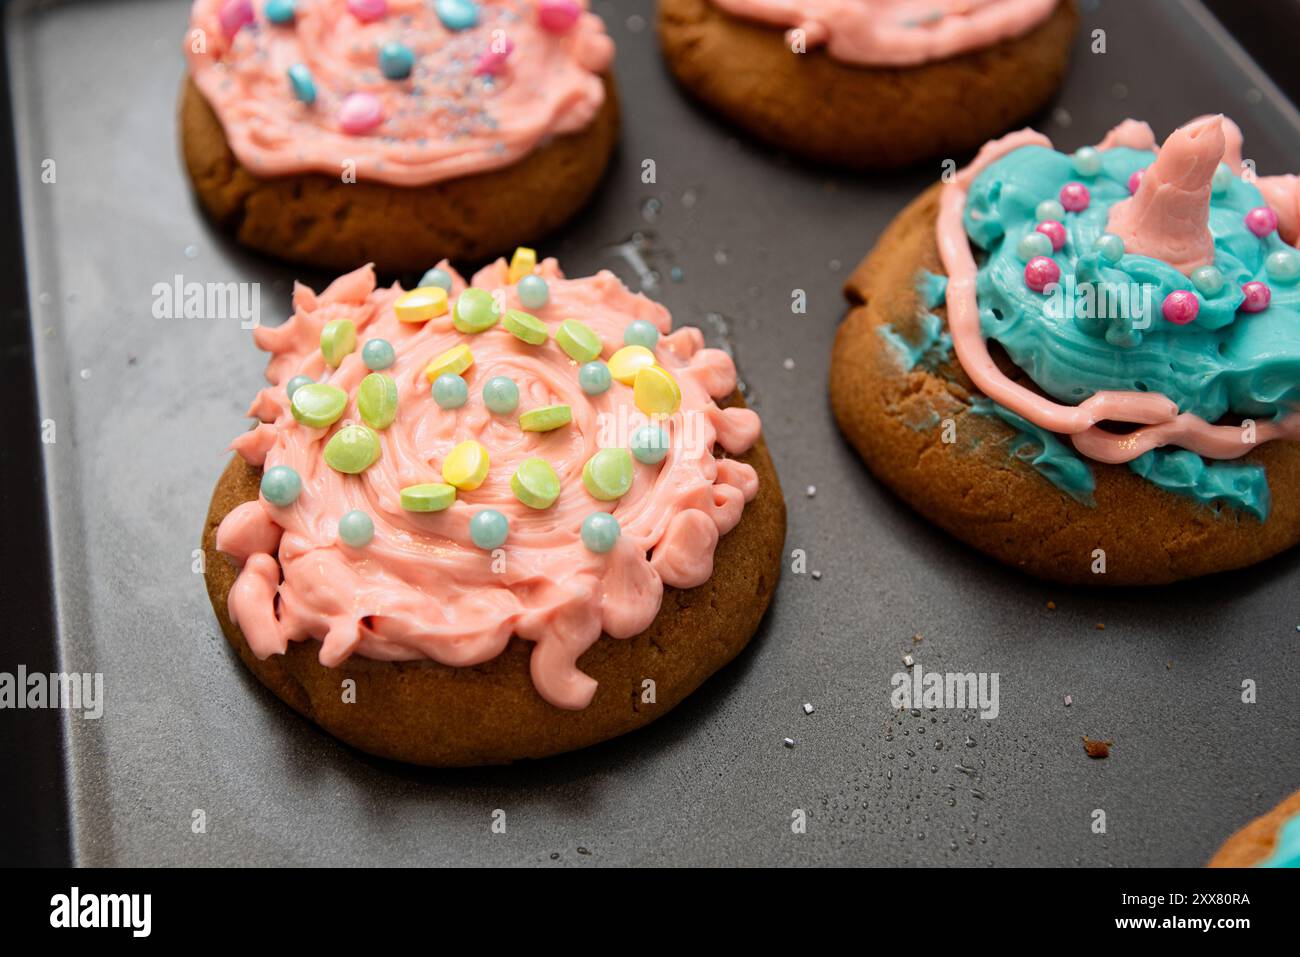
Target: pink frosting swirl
446,120
896,32
421,589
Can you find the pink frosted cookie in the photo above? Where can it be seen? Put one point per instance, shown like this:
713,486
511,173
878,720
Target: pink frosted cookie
521,515
335,132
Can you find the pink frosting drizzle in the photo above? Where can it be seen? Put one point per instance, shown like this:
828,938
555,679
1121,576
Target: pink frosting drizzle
444,121
421,589
1158,416
897,32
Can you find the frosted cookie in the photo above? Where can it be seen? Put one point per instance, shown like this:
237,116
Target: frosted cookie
1088,365
1269,841
398,132
516,517
870,84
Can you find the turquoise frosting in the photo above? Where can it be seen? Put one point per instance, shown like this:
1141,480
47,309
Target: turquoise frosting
935,343
1044,451
1105,331
1286,852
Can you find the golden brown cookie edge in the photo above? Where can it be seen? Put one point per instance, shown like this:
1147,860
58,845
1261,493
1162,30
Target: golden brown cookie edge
1254,842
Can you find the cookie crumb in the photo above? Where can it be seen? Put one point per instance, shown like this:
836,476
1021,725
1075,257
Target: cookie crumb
917,638
1095,748
1101,626
1051,606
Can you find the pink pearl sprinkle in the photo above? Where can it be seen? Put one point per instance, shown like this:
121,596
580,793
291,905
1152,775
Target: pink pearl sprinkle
235,14
1258,296
1075,197
1261,221
368,11
494,61
1053,231
1180,307
1135,180
558,16
1041,272
360,113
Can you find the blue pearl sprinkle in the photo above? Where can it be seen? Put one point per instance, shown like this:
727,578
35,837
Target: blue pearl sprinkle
1087,161
489,529
1050,209
1208,281
437,277
533,292
649,445
1221,179
378,354
396,60
640,332
279,11
304,87
281,485
296,383
1033,244
356,529
1283,266
1110,246
501,395
600,532
457,14
594,377
450,391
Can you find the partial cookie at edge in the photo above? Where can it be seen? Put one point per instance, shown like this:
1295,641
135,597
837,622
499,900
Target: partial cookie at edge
1255,842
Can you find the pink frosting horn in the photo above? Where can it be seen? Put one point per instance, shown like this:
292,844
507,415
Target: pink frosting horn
1168,217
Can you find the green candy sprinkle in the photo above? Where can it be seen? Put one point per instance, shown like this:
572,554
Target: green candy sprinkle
429,497
528,328
337,340
318,405
578,341
476,311
377,400
608,474
535,483
352,449
546,418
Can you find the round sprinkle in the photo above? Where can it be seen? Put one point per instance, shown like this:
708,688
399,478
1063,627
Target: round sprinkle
1075,197
1221,179
535,483
450,391
656,392
378,354
296,383
377,400
600,532
640,332
337,340
1208,281
367,11
234,15
1041,272
649,445
437,277
546,419
457,14
628,361
476,311
1135,179
608,474
302,84
279,11
1111,247
1054,231
489,529
352,449
594,377
525,327
578,341
534,293
1261,221
1257,297
1032,245
524,260
421,304
356,528
466,466
558,16
501,395
396,60
281,485
429,497
492,61
359,113
1180,307
318,405
455,360
1049,209
1283,266
1087,161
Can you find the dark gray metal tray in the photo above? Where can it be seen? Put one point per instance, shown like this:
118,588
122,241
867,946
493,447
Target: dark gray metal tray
145,407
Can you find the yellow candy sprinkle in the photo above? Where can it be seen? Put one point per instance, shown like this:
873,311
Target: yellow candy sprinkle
421,305
522,263
656,392
455,360
628,361
466,466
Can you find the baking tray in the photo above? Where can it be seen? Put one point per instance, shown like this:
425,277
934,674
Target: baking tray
146,406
